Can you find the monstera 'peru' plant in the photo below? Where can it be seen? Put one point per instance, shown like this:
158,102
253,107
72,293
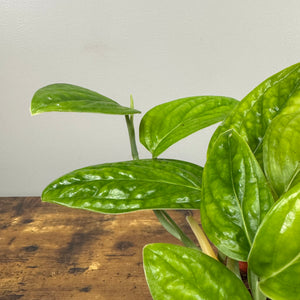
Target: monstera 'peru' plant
248,192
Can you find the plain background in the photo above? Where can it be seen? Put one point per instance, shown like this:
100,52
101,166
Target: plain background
155,50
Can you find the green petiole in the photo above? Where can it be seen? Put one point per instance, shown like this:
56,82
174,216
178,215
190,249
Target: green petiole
168,223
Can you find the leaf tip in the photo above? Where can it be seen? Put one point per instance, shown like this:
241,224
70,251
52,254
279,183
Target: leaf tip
33,112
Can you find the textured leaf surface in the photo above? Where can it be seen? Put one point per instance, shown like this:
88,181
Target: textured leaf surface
72,98
129,186
236,196
275,256
252,116
282,152
175,272
170,122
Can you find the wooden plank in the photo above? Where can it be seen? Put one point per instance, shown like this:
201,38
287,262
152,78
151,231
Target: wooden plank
49,251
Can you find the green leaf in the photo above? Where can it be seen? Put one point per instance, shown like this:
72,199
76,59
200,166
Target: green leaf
72,98
236,196
252,116
166,124
275,255
174,272
281,152
129,186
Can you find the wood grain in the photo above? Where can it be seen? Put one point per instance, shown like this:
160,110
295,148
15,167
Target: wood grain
49,251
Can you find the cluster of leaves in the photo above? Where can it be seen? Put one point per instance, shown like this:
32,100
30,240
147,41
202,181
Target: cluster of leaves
248,192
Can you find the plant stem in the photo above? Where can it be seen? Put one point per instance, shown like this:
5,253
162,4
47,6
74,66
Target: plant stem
201,237
131,132
253,281
168,223
233,266
222,257
163,217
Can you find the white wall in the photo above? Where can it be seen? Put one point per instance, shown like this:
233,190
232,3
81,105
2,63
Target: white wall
157,50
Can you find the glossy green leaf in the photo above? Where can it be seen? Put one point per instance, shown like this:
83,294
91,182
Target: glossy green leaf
165,124
236,196
129,186
281,152
174,272
275,255
252,116
72,98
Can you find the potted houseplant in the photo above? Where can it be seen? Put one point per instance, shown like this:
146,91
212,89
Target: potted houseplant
248,192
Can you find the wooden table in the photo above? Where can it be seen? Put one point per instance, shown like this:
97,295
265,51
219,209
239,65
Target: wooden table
49,251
